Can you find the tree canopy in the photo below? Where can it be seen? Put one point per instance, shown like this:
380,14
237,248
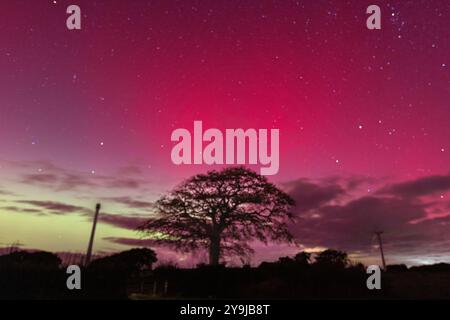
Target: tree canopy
222,211
332,258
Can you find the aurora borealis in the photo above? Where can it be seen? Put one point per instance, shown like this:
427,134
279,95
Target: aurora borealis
86,116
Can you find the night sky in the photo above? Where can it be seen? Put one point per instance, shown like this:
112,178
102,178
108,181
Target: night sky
86,116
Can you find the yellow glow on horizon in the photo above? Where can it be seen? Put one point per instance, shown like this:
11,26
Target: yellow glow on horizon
56,232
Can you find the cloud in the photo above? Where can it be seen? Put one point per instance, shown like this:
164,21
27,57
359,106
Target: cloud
308,195
130,171
7,193
46,174
130,241
132,203
124,221
40,178
130,222
332,213
55,207
419,187
122,183
351,226
23,210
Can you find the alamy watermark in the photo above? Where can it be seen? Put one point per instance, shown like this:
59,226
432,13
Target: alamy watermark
374,280
236,146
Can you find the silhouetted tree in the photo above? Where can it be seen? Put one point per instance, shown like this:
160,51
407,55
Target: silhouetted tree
303,258
31,275
333,258
24,259
128,262
221,211
286,261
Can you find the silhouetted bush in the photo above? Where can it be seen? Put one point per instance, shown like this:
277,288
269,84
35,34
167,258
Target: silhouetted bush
396,268
31,275
438,267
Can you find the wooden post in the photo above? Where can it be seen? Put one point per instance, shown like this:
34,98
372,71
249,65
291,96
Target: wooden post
91,240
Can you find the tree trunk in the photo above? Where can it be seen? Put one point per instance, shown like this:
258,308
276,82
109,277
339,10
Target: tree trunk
214,250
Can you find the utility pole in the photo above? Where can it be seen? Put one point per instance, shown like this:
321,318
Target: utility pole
380,243
91,240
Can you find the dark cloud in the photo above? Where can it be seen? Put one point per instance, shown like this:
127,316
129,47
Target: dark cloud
54,207
123,183
351,226
309,195
130,222
339,213
130,241
23,210
354,182
419,187
43,178
125,221
419,243
130,171
32,165
60,179
70,181
132,203
7,193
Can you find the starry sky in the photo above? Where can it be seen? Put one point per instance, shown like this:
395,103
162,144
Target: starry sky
86,116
